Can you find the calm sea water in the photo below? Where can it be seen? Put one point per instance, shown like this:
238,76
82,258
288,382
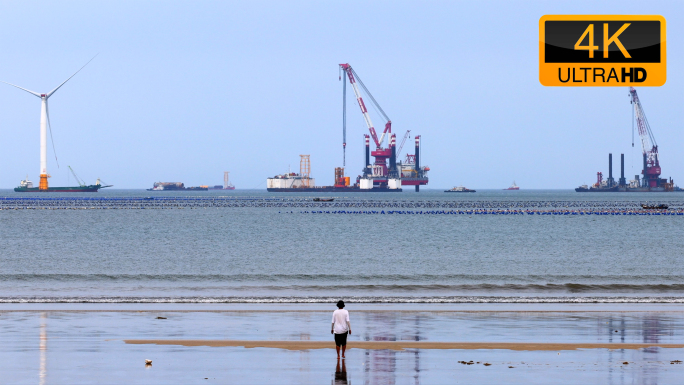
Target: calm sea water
262,253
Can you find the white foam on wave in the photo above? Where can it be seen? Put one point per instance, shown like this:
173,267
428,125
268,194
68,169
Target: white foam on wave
395,300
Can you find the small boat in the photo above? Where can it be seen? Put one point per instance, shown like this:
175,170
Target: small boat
460,189
323,199
661,206
513,187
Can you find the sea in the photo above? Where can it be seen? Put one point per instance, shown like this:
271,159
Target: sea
250,246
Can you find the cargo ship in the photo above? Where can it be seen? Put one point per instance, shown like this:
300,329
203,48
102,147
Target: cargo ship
167,186
595,188
220,187
27,186
175,186
460,189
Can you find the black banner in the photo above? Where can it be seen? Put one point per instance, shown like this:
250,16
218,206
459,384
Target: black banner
640,39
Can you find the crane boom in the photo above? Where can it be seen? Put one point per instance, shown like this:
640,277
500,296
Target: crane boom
78,180
648,143
649,147
353,76
406,135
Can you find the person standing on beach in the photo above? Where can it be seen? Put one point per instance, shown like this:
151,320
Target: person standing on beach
340,328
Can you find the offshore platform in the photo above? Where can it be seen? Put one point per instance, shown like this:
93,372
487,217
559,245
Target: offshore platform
385,173
650,180
379,173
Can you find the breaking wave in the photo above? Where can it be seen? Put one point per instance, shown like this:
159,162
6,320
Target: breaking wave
313,300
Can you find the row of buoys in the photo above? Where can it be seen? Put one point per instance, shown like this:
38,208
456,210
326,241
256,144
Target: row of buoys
306,203
503,212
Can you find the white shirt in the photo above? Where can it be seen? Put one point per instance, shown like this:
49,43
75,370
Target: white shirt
339,319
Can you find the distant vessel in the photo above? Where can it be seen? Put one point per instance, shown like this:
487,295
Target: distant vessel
175,186
622,185
226,183
600,186
167,186
27,186
459,189
654,207
293,182
302,182
513,187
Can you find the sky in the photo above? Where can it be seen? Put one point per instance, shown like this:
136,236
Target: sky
182,91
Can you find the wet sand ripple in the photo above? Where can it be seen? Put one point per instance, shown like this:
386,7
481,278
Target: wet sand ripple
402,345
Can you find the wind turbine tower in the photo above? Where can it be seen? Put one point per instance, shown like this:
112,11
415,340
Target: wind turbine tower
44,123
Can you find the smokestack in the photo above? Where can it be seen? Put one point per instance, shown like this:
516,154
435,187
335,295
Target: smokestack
367,170
393,157
610,166
622,181
418,172
611,181
418,154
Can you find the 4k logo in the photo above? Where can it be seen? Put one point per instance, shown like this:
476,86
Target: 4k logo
602,50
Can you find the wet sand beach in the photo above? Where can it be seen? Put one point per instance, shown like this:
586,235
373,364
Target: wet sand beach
404,345
290,345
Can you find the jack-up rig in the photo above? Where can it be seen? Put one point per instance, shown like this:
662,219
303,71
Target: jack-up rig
385,174
408,173
650,180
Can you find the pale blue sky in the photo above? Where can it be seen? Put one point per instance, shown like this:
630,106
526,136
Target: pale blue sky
182,91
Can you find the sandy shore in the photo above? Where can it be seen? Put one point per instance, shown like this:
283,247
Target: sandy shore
402,345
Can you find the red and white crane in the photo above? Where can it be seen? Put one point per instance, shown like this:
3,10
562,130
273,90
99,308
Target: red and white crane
379,171
649,146
401,146
353,76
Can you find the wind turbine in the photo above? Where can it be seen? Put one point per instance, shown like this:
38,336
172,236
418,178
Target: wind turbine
44,122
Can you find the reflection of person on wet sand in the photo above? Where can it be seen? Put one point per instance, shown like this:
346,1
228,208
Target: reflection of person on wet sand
341,375
340,327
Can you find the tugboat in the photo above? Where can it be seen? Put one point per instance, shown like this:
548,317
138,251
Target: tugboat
459,189
513,187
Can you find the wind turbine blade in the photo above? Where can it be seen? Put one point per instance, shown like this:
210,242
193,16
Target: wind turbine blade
29,91
47,112
59,86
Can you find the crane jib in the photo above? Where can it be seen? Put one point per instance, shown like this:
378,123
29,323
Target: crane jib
351,74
